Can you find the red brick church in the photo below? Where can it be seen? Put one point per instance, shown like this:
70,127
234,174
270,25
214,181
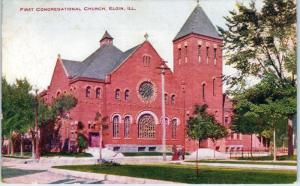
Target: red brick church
126,87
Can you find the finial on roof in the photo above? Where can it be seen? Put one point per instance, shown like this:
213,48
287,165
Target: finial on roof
146,36
58,56
198,2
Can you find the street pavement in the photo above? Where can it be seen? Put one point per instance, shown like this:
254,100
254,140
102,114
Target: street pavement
36,173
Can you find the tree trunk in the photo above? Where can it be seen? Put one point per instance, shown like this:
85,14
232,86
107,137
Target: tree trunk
251,146
33,147
8,147
290,137
21,146
197,166
100,143
274,144
12,147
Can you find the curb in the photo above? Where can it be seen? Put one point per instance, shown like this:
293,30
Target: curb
108,177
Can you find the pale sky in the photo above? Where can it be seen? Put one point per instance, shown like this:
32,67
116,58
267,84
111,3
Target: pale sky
32,40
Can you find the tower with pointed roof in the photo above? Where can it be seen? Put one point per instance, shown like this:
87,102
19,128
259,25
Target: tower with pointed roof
198,63
106,39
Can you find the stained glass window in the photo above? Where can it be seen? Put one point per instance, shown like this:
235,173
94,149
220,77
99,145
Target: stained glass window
126,126
174,128
146,126
116,121
146,90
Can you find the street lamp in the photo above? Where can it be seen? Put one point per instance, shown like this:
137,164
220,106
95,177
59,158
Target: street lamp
163,69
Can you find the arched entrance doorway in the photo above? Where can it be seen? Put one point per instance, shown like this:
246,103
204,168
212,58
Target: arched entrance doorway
146,126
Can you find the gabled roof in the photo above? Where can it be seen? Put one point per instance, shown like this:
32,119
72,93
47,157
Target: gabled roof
72,67
99,64
198,23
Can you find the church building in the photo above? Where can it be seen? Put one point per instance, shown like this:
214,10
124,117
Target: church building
126,87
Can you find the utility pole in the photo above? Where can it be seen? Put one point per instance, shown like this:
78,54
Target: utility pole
37,133
163,68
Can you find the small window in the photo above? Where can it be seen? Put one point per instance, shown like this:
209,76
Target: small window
179,53
186,53
118,94
207,54
141,149
215,56
88,92
58,93
152,149
173,99
166,98
203,91
126,96
232,136
146,61
226,120
98,93
238,136
199,53
214,84
116,149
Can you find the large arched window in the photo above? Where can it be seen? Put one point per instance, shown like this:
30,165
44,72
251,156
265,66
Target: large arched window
126,96
174,128
118,94
173,100
146,126
116,123
88,92
126,126
98,93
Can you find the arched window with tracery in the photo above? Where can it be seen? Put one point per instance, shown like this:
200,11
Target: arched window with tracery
116,123
98,93
126,96
118,94
88,92
174,128
126,126
146,126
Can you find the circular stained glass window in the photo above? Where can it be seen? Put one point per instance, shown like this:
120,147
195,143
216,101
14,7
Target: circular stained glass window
146,90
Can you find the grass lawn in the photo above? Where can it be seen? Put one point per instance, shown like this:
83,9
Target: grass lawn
246,162
186,173
67,154
280,158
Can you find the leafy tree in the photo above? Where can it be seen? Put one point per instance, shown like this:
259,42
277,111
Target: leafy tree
202,126
260,44
18,115
82,142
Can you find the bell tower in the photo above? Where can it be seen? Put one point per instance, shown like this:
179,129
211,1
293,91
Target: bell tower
197,55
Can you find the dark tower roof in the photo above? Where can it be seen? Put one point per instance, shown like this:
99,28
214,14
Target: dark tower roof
106,36
198,23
